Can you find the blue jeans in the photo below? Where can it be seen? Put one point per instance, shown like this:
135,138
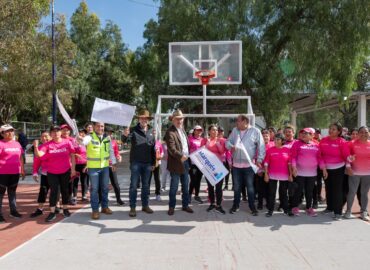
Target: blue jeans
243,176
98,178
175,179
140,171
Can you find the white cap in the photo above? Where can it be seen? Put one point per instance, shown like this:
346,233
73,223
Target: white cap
6,127
198,127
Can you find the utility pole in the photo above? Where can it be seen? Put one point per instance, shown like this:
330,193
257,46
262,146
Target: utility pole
53,72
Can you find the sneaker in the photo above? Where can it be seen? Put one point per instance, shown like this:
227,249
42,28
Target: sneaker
74,201
158,198
315,206
290,213
51,217
2,219
269,214
365,216
198,199
254,212
337,217
66,213
211,207
234,209
220,210
147,210
57,210
327,211
120,202
132,212
259,207
84,199
311,212
348,215
106,211
295,211
15,214
37,213
163,189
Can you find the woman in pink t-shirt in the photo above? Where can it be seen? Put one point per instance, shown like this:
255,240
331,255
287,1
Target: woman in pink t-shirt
217,146
195,174
60,155
305,158
334,153
11,167
276,165
358,169
81,161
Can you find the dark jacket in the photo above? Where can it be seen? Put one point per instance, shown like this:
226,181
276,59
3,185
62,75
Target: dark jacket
142,146
174,148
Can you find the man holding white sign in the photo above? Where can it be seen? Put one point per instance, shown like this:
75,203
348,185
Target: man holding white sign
245,141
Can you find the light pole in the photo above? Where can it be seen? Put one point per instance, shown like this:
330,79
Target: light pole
53,71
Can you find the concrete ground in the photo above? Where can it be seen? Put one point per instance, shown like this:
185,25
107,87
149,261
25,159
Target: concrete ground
194,241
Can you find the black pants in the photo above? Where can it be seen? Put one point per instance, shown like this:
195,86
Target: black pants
195,179
345,188
44,189
9,183
82,178
227,166
307,184
212,191
262,189
114,182
157,180
334,187
283,195
59,183
317,188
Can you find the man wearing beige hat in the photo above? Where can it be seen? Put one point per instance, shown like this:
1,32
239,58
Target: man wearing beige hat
178,164
142,160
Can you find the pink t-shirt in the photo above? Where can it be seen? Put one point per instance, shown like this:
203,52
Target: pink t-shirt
269,145
361,151
289,144
277,163
81,151
194,143
215,146
10,153
306,158
58,155
334,153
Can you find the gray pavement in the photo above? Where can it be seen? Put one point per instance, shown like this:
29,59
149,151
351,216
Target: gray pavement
194,241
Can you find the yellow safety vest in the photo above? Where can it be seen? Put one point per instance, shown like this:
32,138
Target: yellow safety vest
97,152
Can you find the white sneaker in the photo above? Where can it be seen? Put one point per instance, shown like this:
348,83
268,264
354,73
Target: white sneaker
348,215
158,198
365,216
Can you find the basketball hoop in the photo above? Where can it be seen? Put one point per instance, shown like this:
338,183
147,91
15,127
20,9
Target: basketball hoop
205,75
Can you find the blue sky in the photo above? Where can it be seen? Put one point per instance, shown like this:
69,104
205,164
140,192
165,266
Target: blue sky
129,15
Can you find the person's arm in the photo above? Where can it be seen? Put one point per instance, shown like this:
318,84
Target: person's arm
171,145
266,165
86,140
261,149
293,159
230,143
38,152
73,166
23,175
35,168
112,157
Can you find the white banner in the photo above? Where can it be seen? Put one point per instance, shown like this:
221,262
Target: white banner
111,112
69,121
209,164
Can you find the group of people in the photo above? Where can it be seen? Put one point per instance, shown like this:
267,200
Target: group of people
259,162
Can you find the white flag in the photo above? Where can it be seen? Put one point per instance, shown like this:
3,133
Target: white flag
111,112
69,121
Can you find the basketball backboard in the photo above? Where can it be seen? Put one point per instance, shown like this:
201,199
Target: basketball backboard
224,58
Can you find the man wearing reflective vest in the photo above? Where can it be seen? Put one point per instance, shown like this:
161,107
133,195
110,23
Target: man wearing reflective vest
99,151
